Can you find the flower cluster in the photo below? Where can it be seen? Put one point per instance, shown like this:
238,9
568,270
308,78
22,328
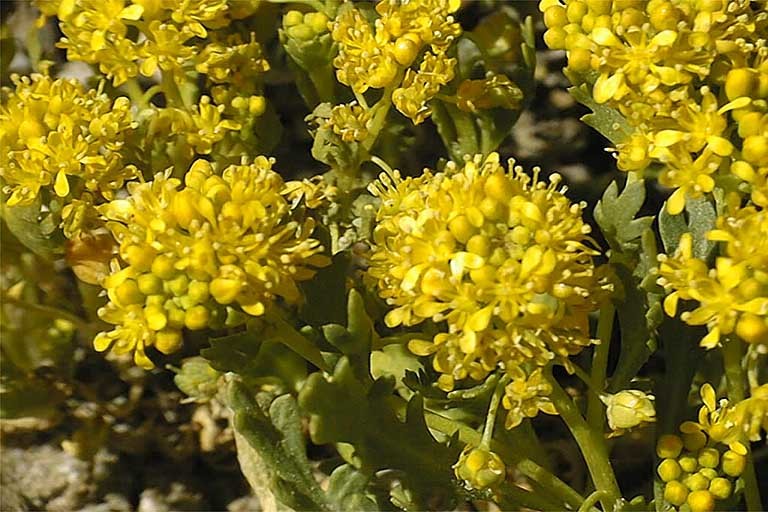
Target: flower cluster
699,466
502,258
678,71
104,33
60,137
380,56
191,256
732,297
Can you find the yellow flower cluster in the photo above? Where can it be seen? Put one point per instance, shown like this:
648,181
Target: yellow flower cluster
59,136
678,71
503,259
349,121
699,467
380,56
732,297
190,256
128,37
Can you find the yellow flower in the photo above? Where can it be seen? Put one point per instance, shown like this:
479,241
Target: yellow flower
732,297
420,86
526,396
372,57
96,32
314,192
189,255
166,49
233,61
59,136
480,468
502,258
350,122
196,15
628,409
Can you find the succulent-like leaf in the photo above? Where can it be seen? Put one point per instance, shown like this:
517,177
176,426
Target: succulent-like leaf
615,214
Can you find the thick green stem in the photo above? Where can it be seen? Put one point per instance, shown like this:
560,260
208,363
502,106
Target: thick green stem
171,90
595,414
591,443
733,351
136,93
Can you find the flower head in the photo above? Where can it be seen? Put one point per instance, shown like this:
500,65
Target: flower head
63,138
190,254
502,258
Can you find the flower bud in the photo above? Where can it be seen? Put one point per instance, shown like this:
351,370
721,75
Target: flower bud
669,470
701,501
689,464
675,492
696,482
480,468
128,293
292,18
733,463
225,290
739,82
669,446
196,318
694,441
629,409
168,341
709,458
720,488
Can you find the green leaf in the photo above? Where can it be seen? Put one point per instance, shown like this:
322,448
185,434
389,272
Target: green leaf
394,361
253,357
346,490
344,409
615,214
197,379
699,218
606,120
277,440
25,222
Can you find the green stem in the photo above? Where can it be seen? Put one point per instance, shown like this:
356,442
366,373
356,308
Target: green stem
48,311
511,497
136,93
527,467
734,377
171,89
493,408
380,109
591,443
595,414
591,500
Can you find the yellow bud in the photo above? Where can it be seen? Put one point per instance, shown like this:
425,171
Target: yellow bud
301,32
128,293
750,123
743,170
178,285
150,284
575,11
163,267
479,245
688,464
484,274
708,473
739,82
183,207
752,328
755,150
599,7
669,470
696,482
168,341
693,441
155,316
709,458
292,18
480,468
555,38
225,291
138,257
675,492
175,316
664,16
579,59
317,21
629,409
198,291
197,318
733,463
257,105
498,187
461,228
406,50
555,17
720,488
382,76
701,501
492,209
